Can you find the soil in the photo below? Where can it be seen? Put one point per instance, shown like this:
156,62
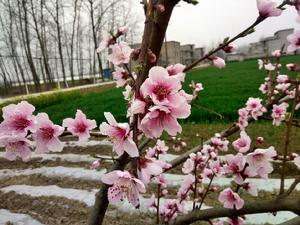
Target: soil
89,150
36,163
62,211
40,180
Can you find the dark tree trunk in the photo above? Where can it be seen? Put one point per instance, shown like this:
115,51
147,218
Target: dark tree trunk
26,39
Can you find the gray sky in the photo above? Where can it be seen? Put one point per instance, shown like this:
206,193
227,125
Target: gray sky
212,20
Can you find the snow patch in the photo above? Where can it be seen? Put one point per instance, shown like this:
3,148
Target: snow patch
88,143
17,218
173,179
59,171
88,198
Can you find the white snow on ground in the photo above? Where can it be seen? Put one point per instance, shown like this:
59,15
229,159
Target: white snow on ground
16,218
59,171
94,175
88,143
88,198
264,185
69,157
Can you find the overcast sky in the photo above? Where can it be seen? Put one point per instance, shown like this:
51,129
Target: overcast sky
212,20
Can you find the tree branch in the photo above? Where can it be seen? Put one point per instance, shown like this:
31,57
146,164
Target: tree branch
225,133
295,221
285,204
244,33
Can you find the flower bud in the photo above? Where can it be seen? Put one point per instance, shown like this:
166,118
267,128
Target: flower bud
159,8
135,54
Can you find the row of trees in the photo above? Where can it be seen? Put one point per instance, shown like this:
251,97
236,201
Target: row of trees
46,41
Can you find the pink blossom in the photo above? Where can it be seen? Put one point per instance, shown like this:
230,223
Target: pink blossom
106,42
294,40
120,135
292,67
230,199
243,143
259,140
282,86
148,168
188,166
186,186
159,148
251,188
161,87
199,87
194,160
297,161
18,118
263,88
170,209
16,145
296,3
96,164
210,151
177,70
242,123
124,185
161,118
235,165
187,96
218,62
161,180
163,164
254,106
121,76
243,113
137,106
220,143
259,161
270,67
216,168
80,126
151,202
278,113
283,78
236,221
159,7
260,64
120,54
276,53
228,48
46,135
123,30
268,8
127,93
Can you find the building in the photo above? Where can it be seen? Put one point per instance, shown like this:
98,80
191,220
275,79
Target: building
235,57
187,54
170,53
199,53
266,46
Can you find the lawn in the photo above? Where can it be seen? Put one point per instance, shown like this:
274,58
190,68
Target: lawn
225,91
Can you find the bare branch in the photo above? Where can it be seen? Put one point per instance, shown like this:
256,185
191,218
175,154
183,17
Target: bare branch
285,204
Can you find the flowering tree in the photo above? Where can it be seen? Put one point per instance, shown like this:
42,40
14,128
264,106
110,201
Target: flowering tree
156,101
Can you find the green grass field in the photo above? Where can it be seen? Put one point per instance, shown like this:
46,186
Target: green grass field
225,91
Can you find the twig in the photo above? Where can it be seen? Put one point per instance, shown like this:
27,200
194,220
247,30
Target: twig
291,188
206,192
262,206
242,34
287,139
